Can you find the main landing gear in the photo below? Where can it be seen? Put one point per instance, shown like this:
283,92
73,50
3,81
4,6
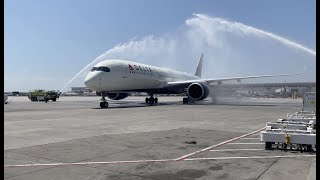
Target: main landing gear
185,100
151,100
104,103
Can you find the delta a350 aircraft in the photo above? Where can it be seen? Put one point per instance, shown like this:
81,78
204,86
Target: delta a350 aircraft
117,78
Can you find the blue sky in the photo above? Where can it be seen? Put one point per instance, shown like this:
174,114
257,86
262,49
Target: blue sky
47,42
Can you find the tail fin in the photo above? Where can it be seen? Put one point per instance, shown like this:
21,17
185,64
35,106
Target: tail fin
199,68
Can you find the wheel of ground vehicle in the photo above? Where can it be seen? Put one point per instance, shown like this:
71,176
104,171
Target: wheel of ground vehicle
268,145
309,148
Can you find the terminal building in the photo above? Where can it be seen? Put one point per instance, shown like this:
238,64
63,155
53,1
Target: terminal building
268,88
81,90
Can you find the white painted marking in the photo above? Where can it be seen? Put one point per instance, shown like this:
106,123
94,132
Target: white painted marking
252,157
250,138
221,150
246,143
153,161
217,145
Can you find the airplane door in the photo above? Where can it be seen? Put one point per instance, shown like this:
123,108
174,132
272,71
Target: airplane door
124,70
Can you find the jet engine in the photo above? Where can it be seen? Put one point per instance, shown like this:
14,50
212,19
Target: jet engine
116,95
198,91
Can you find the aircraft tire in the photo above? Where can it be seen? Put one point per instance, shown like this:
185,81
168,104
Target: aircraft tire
106,104
185,100
102,105
147,100
156,100
151,100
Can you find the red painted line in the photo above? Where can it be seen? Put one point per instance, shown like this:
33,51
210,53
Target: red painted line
88,163
162,160
217,145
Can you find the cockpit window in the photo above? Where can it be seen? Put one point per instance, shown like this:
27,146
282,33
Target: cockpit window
105,69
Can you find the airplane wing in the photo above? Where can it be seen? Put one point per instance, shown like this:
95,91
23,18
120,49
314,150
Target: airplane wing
220,80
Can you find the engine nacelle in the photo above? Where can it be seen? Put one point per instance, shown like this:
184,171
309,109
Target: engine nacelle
116,95
198,91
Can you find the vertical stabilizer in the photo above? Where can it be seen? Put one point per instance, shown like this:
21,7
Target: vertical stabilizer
199,68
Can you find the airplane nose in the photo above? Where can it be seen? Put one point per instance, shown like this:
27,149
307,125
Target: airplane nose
90,81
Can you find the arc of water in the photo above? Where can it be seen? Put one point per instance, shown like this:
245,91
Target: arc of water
230,24
252,30
95,60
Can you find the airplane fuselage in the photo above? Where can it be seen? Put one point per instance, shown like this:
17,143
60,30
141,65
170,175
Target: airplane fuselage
121,75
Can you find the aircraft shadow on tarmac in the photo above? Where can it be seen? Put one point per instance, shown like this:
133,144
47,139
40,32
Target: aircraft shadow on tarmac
206,103
235,104
135,105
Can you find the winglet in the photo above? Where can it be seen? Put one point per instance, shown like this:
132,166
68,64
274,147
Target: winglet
199,68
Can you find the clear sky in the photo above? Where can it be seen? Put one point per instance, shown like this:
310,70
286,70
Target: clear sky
47,42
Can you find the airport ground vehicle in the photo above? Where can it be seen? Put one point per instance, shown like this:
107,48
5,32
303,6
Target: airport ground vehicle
5,98
42,95
296,131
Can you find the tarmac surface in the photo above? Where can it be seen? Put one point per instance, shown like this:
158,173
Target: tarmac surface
74,139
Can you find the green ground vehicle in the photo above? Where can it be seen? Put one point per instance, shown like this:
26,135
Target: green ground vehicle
42,95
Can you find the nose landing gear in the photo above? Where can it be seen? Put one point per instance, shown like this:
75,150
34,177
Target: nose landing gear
104,103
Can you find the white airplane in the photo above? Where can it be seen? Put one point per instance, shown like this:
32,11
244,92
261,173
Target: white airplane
117,78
